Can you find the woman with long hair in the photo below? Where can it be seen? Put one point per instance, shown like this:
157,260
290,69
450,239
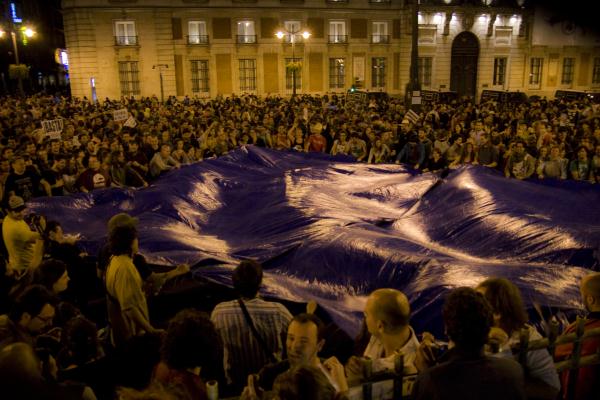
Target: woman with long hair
510,317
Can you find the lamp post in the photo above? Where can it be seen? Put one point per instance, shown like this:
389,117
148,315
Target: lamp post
28,32
414,86
160,67
292,33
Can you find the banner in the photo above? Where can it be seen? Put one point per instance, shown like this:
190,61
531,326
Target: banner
121,115
53,127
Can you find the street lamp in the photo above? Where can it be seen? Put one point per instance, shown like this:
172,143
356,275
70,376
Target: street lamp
27,32
292,34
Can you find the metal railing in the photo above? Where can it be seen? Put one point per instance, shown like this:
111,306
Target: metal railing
197,39
246,39
380,39
342,39
126,40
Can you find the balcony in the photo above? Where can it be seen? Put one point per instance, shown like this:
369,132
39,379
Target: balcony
126,41
338,39
380,1
246,39
380,39
197,39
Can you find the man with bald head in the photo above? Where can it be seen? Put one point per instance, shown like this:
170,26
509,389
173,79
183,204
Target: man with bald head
588,378
387,315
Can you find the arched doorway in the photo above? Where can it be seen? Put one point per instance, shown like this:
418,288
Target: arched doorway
463,67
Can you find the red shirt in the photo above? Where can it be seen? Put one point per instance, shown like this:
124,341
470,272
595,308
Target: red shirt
588,378
317,143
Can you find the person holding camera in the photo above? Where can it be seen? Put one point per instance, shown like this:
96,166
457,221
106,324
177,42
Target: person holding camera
24,246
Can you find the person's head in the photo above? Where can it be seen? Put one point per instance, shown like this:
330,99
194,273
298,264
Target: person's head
53,275
192,341
247,278
121,219
16,207
582,153
387,312
80,340
93,162
304,339
303,382
519,147
18,164
20,371
165,151
468,318
123,240
34,309
507,304
554,152
590,291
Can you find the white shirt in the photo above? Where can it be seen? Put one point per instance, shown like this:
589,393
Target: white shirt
376,352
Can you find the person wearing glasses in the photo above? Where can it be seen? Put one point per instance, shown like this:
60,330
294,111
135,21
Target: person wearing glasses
31,315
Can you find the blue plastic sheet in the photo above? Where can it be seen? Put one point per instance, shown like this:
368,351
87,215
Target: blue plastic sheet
330,229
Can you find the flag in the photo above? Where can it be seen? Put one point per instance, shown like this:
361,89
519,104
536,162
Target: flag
412,116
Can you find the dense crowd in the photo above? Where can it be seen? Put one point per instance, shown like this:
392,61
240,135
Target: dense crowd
55,344
544,139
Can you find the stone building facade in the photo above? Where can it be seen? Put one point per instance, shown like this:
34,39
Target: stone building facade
209,47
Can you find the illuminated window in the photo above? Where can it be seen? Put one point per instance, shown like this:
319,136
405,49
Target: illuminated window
535,71
197,32
337,32
246,32
378,72
380,32
200,76
568,70
125,33
500,71
247,75
337,73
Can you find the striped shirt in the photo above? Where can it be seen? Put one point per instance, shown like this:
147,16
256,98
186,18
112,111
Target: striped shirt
243,354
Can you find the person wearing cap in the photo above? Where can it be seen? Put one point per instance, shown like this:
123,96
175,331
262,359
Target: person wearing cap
24,246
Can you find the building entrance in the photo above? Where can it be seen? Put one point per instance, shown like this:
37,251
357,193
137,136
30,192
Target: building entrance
463,69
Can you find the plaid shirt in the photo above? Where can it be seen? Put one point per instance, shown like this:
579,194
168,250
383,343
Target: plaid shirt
243,354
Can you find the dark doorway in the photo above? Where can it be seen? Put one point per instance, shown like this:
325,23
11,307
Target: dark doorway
463,70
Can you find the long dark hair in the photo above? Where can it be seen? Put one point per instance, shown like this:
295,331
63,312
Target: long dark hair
505,299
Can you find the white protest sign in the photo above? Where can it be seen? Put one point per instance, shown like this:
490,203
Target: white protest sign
121,115
131,122
53,127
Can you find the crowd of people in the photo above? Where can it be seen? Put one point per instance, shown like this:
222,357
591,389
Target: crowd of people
253,349
543,139
53,343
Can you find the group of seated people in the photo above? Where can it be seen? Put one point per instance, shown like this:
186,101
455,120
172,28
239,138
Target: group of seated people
555,139
52,347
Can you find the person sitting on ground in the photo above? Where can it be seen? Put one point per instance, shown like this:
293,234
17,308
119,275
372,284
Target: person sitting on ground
520,164
53,275
162,161
304,342
587,384
93,177
510,317
31,314
465,372
387,315
191,354
245,353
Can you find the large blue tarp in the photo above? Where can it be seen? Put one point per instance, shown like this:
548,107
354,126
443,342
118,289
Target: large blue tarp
330,229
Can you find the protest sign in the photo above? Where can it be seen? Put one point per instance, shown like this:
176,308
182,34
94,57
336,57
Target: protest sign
121,115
